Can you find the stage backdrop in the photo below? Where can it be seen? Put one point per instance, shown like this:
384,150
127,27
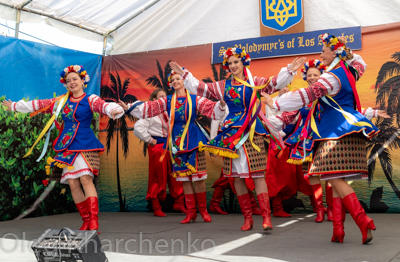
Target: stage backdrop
30,69
124,168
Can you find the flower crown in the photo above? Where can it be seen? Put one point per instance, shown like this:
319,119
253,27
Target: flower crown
77,69
170,76
240,53
336,46
312,63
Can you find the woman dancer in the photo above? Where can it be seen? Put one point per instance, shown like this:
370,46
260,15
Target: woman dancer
340,125
154,131
241,140
77,160
183,140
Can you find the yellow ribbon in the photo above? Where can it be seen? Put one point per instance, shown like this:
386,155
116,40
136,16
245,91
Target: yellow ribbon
248,85
46,127
185,130
349,120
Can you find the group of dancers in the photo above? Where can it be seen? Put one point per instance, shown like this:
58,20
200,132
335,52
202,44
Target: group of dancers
319,131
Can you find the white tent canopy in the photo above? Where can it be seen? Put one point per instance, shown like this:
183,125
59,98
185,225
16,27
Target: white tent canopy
143,25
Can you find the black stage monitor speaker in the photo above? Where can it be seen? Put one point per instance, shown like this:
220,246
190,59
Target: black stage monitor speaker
66,245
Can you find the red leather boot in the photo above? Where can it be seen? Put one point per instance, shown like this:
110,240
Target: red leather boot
216,200
179,204
155,204
245,206
277,207
93,205
317,189
328,198
202,205
338,217
357,212
263,200
84,212
191,209
254,206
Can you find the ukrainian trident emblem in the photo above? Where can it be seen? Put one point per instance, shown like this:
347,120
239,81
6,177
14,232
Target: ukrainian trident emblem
281,14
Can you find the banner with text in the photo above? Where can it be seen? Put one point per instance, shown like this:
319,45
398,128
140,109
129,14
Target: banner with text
287,45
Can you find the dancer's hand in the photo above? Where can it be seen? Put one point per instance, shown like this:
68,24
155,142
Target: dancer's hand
268,100
7,104
153,142
115,113
222,103
123,105
297,63
383,114
177,68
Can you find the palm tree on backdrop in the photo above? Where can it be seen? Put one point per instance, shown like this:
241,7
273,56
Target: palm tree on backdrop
218,76
161,81
387,88
118,91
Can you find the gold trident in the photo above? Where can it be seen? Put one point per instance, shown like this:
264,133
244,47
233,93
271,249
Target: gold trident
281,16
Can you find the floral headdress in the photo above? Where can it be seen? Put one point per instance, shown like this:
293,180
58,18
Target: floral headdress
77,69
312,63
240,53
334,43
170,76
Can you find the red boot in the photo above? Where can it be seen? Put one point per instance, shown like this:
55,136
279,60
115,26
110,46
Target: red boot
357,212
93,205
245,206
216,200
191,209
155,204
313,204
84,212
202,204
254,206
277,207
179,204
328,198
338,215
317,189
263,200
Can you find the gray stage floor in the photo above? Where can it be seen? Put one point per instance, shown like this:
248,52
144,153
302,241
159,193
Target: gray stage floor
143,237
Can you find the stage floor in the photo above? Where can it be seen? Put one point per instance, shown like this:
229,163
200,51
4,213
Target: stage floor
144,237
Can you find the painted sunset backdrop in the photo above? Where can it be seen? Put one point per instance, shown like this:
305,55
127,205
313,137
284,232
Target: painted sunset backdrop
378,46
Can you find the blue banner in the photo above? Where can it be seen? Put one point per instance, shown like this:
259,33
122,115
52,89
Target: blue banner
30,69
287,45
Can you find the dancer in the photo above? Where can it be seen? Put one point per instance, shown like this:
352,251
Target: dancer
77,161
183,140
241,140
154,131
284,180
340,125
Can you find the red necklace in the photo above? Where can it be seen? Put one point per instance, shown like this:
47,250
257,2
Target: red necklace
78,96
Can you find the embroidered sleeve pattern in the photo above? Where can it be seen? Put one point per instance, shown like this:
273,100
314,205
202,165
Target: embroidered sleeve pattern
358,63
284,77
31,106
104,108
287,117
153,108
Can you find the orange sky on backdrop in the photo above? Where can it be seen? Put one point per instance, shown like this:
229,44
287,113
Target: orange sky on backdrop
377,48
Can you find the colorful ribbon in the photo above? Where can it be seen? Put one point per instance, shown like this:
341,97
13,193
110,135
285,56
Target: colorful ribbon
48,125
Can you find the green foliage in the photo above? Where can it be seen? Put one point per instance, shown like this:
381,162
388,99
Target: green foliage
21,178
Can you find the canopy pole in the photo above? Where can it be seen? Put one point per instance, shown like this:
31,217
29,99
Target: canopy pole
105,44
18,20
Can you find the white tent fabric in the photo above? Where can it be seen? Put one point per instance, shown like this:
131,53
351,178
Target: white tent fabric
100,17
176,23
